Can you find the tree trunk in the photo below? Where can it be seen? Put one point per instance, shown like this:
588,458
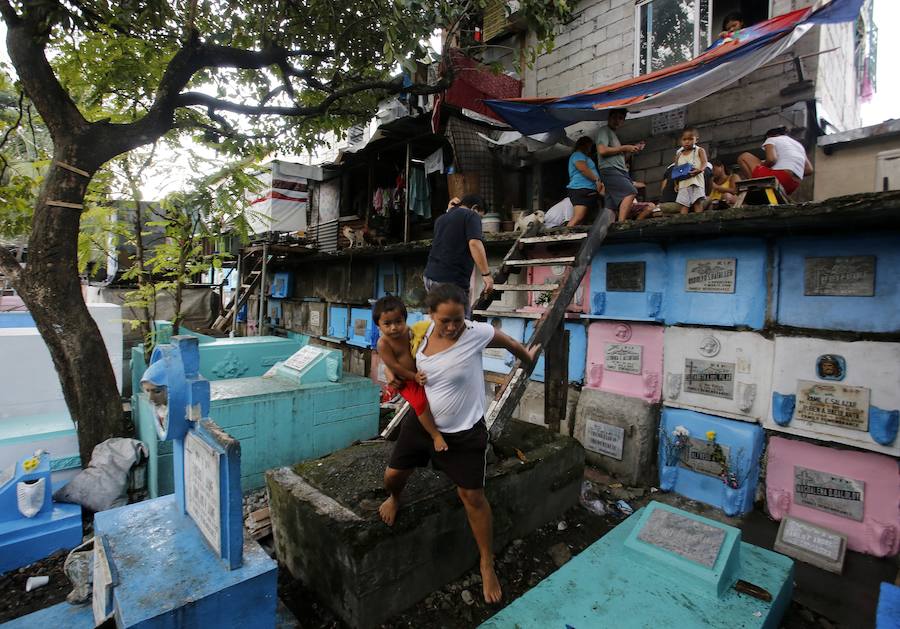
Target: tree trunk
50,287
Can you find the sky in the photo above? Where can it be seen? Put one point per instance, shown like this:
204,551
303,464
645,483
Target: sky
884,105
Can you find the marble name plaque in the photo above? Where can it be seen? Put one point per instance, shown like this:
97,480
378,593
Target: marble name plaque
359,327
826,492
812,538
303,357
315,318
605,439
202,495
704,457
623,358
715,275
839,276
7,473
709,377
833,404
626,277
696,541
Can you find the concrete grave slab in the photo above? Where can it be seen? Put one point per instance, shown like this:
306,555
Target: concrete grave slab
718,371
619,434
837,391
328,533
531,405
813,544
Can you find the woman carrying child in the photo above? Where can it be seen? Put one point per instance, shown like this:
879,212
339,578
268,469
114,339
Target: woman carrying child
449,361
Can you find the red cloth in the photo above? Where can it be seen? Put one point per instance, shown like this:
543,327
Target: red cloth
475,82
414,393
784,177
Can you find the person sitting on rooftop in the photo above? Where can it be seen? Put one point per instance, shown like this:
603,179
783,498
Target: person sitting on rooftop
785,160
724,187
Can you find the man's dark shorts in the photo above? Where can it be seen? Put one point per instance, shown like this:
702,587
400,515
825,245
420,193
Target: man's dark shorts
618,186
584,196
464,461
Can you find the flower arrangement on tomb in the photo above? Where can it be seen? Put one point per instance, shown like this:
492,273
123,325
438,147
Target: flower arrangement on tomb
544,298
675,444
730,468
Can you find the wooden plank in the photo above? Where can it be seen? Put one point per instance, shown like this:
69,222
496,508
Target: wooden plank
394,424
509,395
532,240
502,274
528,287
542,261
556,378
513,314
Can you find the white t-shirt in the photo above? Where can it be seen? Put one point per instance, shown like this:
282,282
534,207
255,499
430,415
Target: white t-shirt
791,154
558,214
455,386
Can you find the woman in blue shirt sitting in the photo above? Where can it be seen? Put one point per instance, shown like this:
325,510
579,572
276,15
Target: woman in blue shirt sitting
584,186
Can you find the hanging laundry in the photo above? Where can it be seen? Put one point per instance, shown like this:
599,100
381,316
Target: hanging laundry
419,193
434,163
378,201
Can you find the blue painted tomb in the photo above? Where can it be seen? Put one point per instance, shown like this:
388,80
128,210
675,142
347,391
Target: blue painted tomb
840,283
710,459
717,282
362,329
179,560
32,526
304,407
499,360
628,282
388,279
577,352
338,322
662,567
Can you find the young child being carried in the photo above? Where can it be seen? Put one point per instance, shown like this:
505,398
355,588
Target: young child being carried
692,188
397,348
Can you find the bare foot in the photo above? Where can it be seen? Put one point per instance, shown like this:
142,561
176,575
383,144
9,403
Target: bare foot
490,584
388,510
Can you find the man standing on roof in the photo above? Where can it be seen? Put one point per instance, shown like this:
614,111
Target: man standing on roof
458,247
620,190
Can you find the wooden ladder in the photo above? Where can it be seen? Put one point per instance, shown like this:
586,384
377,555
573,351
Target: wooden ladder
548,335
251,270
761,191
548,330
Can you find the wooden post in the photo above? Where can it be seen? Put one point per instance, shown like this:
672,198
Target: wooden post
262,291
556,378
406,195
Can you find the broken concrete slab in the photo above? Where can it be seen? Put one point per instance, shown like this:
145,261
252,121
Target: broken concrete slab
619,434
328,532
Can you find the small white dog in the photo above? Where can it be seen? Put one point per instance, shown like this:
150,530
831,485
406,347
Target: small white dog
527,219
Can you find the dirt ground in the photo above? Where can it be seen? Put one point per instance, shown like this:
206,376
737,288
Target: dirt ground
521,566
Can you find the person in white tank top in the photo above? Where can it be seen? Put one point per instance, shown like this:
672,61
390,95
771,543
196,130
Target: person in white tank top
785,160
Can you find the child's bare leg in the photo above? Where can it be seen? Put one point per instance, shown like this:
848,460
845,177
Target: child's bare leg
394,482
698,206
625,207
683,208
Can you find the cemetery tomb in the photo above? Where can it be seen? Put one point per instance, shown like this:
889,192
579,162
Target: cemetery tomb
812,544
662,567
303,407
338,322
618,434
315,323
282,285
625,359
292,314
717,282
721,372
837,391
389,279
363,331
180,560
840,283
274,312
499,360
577,352
710,459
856,494
538,300
328,533
16,320
508,300
532,404
33,412
628,282
32,525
